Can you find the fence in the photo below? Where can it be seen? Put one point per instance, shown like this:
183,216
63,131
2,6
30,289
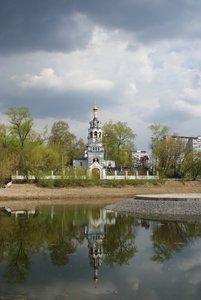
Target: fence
103,175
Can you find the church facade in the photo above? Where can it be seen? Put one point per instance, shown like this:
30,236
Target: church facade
94,154
95,150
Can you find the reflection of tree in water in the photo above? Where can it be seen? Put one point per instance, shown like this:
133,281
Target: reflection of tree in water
61,250
18,254
22,236
61,230
119,243
67,234
19,264
169,237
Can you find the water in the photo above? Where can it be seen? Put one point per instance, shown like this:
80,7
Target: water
88,253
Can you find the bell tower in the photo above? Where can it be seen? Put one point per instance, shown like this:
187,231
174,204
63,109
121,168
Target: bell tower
95,151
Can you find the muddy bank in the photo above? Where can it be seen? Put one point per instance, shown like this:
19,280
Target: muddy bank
31,195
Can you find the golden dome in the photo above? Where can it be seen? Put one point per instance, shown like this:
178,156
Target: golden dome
95,108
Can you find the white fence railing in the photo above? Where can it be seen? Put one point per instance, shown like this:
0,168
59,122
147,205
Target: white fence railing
125,176
103,175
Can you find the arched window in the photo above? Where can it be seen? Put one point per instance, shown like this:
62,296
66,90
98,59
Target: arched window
99,134
95,134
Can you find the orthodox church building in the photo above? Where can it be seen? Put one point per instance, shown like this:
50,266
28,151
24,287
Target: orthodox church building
95,150
94,153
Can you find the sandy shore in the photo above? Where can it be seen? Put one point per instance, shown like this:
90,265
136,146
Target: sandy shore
29,195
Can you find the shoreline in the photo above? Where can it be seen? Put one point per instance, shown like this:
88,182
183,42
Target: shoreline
29,195
169,207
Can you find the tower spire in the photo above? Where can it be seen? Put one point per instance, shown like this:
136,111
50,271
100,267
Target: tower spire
95,109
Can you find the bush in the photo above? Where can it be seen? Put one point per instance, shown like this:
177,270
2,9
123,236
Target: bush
63,182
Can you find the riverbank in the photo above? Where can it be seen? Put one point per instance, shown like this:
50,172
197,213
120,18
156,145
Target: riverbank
169,207
21,195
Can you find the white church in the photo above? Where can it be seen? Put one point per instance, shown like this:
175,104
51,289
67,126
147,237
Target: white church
94,154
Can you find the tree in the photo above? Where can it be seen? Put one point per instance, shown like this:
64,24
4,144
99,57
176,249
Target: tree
191,166
65,143
61,135
159,133
118,142
170,153
40,159
7,154
7,163
4,135
21,123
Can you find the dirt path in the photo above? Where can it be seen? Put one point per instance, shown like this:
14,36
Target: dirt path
29,195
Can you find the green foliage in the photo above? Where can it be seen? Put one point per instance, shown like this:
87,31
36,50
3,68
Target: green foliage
191,167
65,143
158,133
29,152
60,134
21,123
118,142
170,154
7,165
171,157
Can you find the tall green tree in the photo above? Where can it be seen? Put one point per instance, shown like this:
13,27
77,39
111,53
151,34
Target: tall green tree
158,133
65,142
60,134
21,123
118,142
170,153
23,139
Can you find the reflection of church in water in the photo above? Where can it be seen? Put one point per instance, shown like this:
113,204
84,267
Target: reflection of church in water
95,232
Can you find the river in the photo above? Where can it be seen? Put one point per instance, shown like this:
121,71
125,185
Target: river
62,252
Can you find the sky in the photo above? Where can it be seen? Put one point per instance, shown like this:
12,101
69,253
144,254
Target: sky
138,60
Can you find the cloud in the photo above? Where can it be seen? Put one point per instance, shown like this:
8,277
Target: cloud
70,81
138,60
192,110
46,78
27,26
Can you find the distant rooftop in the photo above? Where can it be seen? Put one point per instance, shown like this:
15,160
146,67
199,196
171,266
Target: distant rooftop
187,137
